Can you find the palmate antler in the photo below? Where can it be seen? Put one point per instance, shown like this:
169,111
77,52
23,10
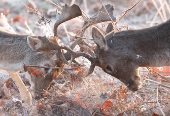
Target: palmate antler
67,13
72,12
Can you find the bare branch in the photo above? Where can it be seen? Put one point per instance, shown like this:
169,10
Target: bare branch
59,8
43,20
51,67
127,11
100,16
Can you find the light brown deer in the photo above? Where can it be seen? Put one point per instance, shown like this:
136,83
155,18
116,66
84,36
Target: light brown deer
19,51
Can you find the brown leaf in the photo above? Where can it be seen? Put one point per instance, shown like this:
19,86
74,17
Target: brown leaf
122,114
20,19
4,12
17,18
9,84
154,114
131,105
122,95
6,91
106,107
2,103
164,70
97,105
38,73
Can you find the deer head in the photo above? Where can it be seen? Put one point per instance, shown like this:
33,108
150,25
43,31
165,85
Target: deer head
45,54
50,50
114,63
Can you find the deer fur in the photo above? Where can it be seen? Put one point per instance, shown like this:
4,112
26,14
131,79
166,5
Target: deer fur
120,54
19,50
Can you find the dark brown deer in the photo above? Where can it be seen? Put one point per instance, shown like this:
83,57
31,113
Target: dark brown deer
120,54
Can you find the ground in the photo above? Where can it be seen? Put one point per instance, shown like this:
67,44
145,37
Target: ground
98,94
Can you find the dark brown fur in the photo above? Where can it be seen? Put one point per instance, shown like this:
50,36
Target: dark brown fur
121,54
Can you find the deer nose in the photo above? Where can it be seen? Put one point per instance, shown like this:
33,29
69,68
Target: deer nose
133,86
134,89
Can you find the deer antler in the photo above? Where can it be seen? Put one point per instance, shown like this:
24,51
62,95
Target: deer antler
72,12
100,16
67,13
94,60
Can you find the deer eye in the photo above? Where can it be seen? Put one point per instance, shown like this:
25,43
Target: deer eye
109,68
46,69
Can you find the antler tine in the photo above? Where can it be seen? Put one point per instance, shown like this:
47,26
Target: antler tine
72,12
68,13
77,54
100,16
94,60
91,69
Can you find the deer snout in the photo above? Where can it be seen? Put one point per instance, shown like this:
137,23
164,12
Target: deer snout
134,83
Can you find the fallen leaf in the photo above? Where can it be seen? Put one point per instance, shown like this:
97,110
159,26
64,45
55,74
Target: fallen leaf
106,107
154,114
5,12
97,105
122,95
2,103
17,18
131,105
9,84
6,91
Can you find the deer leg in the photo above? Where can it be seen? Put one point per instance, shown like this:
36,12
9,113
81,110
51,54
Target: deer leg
25,94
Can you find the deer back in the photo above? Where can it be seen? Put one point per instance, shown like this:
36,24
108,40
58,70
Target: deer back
19,50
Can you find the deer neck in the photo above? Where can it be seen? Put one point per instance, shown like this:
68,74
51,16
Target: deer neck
145,47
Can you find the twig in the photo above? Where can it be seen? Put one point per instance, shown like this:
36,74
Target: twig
125,13
159,103
149,69
57,5
51,67
100,106
158,10
43,19
163,9
31,9
153,20
158,83
167,5
29,29
107,13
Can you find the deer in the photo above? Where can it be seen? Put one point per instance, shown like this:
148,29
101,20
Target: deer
18,52
120,54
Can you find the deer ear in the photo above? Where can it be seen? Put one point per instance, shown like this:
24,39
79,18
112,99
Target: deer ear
99,38
34,42
109,28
